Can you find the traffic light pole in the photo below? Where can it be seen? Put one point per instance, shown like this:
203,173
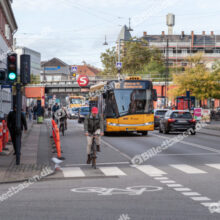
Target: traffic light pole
18,123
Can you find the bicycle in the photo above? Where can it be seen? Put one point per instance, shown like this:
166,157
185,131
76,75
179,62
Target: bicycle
93,152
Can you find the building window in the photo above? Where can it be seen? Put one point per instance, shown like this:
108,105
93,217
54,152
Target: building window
184,51
183,64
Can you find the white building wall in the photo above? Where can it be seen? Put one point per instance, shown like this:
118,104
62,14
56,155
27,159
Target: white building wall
4,49
35,59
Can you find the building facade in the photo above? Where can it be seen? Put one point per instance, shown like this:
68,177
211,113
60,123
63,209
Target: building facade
181,46
85,69
8,27
35,59
54,70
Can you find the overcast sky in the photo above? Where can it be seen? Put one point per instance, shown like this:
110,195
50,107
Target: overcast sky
74,30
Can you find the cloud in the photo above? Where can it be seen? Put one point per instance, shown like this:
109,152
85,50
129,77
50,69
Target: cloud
40,5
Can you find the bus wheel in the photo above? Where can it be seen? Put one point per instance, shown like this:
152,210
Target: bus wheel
144,133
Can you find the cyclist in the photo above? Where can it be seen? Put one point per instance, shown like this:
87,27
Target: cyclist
54,109
93,125
62,115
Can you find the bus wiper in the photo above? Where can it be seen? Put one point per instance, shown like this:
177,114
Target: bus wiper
123,113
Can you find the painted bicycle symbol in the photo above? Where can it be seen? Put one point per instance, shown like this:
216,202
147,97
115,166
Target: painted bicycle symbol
134,190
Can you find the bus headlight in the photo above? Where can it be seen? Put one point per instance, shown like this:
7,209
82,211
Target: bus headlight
149,123
112,124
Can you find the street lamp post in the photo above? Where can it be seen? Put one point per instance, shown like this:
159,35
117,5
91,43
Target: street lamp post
119,59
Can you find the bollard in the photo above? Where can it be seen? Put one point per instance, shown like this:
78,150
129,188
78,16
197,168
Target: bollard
56,137
57,134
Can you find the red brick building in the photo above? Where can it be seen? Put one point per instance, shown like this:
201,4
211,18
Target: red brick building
87,70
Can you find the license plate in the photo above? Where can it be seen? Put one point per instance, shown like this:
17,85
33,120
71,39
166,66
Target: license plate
130,129
182,121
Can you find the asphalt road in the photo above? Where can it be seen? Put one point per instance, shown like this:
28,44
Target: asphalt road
178,183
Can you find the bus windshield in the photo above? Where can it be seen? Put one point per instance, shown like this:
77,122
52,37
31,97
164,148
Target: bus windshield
76,101
133,101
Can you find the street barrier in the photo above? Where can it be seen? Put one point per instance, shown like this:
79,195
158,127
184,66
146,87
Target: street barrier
1,137
56,137
4,142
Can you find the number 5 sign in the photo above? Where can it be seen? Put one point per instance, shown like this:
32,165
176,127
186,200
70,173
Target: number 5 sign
83,80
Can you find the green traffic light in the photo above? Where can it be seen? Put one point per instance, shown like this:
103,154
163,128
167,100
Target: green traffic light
12,76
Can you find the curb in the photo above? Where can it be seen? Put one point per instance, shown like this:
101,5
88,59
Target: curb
26,179
215,135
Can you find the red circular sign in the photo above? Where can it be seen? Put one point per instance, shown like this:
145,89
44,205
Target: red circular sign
83,80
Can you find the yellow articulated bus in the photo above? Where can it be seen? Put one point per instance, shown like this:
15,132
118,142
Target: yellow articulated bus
126,105
76,101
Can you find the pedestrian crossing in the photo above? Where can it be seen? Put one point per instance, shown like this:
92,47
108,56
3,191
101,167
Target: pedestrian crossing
159,173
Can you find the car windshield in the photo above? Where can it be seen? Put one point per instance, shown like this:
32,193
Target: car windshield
185,115
160,112
131,101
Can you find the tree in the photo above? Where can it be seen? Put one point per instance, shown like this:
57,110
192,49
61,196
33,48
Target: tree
35,79
137,58
201,82
109,59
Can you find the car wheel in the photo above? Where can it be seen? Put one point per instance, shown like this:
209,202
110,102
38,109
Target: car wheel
79,121
160,131
144,133
193,132
165,131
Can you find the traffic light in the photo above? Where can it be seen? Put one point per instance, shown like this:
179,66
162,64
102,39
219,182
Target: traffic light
25,68
12,67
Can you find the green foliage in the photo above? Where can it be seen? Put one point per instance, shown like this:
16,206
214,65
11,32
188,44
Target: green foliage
202,82
109,59
35,79
137,59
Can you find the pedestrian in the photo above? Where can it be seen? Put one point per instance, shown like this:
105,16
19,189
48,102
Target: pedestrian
54,109
30,113
49,112
11,123
35,112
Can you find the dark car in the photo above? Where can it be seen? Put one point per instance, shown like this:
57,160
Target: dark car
83,112
158,115
73,113
177,120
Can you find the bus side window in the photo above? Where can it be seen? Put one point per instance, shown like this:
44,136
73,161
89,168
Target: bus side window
154,95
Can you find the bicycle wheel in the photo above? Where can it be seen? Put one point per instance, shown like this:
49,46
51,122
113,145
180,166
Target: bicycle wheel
94,160
93,155
62,128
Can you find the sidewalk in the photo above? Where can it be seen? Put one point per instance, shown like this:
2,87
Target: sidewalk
35,155
212,129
